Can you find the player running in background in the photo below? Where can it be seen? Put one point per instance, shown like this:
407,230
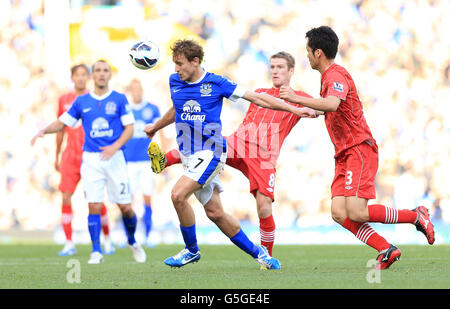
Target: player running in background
255,147
356,151
70,162
141,178
107,121
197,98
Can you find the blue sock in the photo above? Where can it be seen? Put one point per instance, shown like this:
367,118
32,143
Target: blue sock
130,228
241,240
94,226
190,238
148,219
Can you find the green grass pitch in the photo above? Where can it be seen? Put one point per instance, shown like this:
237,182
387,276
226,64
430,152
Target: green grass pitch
37,266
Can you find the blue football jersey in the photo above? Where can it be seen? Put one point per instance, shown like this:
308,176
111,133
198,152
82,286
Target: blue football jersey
144,113
103,118
198,106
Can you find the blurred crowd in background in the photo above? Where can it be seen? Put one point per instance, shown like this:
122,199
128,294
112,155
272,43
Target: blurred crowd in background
397,52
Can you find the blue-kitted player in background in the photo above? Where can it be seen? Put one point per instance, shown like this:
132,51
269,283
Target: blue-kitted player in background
139,165
108,124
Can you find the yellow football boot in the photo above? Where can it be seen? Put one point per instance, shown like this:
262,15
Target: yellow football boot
157,157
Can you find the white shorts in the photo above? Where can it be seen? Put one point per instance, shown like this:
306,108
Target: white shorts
96,174
141,177
204,195
204,168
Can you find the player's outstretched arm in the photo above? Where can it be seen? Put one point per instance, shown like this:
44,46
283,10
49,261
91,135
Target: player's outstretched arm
267,101
328,104
167,119
307,112
54,127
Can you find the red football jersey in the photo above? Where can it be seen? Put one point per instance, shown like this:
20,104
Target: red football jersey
346,126
263,130
75,135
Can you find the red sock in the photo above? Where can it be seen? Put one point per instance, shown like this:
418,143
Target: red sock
104,220
267,232
66,220
383,214
365,233
173,157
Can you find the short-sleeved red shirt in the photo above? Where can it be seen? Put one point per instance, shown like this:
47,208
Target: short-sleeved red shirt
255,146
346,126
72,155
264,128
75,135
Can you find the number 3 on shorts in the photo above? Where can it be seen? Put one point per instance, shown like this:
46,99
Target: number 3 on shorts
349,178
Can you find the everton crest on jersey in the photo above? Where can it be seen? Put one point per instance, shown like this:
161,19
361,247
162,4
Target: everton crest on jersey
198,106
205,89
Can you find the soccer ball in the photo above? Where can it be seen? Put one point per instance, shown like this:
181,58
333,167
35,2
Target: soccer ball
144,55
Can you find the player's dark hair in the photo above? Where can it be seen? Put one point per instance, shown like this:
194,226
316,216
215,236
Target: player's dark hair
77,66
323,38
286,56
189,48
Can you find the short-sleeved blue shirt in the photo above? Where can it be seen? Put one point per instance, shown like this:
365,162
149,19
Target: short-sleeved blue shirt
103,118
136,148
198,106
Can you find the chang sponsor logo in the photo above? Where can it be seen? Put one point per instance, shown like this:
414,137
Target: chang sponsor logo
100,128
189,109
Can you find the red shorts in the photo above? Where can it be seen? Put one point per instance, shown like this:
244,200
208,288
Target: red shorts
70,173
260,172
355,172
